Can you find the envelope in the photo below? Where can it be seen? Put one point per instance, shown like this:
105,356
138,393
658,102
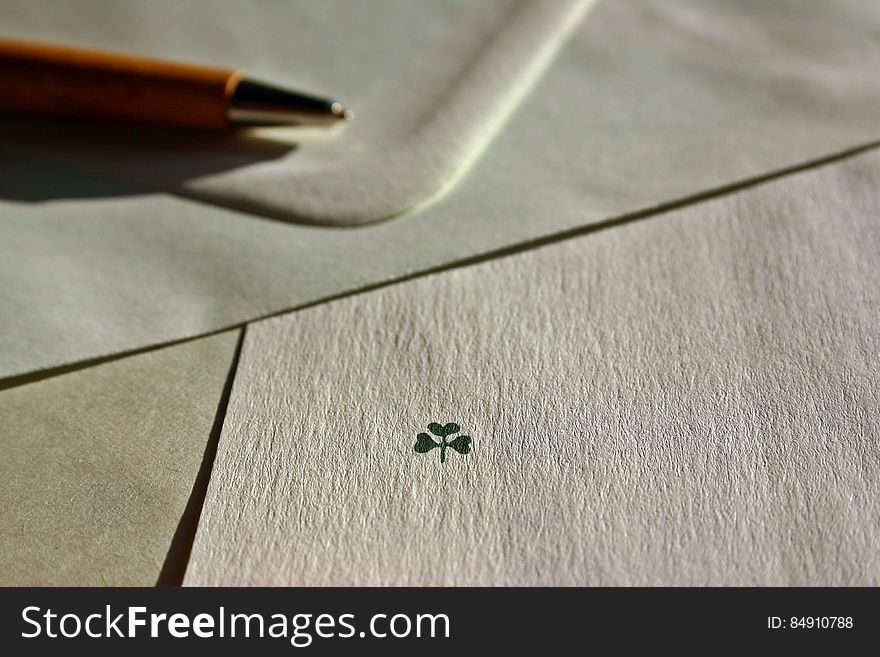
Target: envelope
104,469
648,104
482,130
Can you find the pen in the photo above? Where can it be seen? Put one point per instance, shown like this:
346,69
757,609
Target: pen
85,84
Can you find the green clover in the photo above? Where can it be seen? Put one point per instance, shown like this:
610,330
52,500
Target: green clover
424,442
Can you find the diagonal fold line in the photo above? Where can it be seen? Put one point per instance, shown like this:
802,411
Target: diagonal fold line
611,222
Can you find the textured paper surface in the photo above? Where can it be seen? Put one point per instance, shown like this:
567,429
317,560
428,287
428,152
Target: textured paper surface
687,399
98,465
648,103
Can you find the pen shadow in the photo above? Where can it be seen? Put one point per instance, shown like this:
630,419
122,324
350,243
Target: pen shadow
123,160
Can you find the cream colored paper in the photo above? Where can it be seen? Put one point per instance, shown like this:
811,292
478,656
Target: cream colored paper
649,103
98,465
687,399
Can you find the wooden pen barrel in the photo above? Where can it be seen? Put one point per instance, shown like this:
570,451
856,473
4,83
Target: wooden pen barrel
80,83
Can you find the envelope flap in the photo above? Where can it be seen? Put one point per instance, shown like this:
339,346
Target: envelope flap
430,89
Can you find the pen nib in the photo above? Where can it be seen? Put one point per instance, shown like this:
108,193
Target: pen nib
340,112
255,103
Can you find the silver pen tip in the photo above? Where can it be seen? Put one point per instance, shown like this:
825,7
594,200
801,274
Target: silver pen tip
255,103
340,112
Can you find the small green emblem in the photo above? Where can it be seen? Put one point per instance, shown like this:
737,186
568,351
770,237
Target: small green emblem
424,442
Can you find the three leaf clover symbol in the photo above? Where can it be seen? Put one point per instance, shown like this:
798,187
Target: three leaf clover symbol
424,442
